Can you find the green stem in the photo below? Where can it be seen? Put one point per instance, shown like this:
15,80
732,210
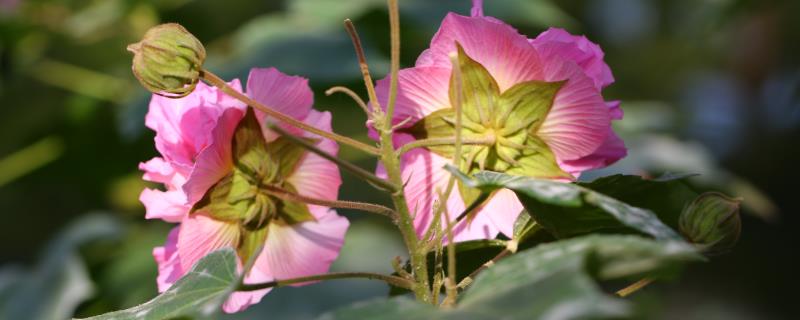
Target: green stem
391,161
431,142
395,281
347,166
222,85
367,207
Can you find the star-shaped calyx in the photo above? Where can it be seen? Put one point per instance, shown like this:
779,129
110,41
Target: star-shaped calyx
499,129
246,196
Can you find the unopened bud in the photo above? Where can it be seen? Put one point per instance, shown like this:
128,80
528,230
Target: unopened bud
712,223
168,61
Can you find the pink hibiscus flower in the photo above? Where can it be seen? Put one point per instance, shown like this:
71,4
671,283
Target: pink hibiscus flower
220,168
535,103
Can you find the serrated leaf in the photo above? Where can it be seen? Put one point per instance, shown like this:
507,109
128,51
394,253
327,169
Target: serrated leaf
200,293
567,209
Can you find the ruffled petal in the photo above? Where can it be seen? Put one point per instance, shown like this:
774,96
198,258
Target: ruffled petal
183,126
505,53
578,122
557,42
290,95
315,176
169,206
169,266
302,249
199,235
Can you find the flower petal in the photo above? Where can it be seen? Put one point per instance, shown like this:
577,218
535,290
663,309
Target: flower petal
215,161
240,300
502,210
559,43
505,53
420,91
169,206
169,266
578,121
611,151
315,176
290,95
302,249
199,235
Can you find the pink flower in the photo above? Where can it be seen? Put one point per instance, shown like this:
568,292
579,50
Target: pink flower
573,134
218,164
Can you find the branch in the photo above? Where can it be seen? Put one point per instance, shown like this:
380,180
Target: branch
392,280
368,207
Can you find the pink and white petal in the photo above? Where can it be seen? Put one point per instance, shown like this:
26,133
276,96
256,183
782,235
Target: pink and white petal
290,95
169,206
315,176
240,300
505,53
423,175
611,151
169,266
477,8
502,210
480,227
199,235
420,91
579,120
215,161
172,175
559,43
302,249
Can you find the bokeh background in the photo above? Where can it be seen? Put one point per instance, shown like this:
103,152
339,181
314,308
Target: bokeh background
708,86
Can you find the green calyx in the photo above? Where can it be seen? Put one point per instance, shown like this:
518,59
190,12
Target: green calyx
246,196
499,129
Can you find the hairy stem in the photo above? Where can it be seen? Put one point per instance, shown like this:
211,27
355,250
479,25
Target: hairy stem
367,207
347,166
393,280
362,63
222,85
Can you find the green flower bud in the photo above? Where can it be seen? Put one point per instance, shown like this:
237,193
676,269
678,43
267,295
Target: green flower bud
712,222
168,61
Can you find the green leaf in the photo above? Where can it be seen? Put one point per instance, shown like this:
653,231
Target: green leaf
200,293
555,280
567,209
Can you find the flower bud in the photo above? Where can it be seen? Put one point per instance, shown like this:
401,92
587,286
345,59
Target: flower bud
712,223
168,60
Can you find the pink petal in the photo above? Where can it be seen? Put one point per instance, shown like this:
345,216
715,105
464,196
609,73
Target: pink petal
199,235
216,160
578,121
504,52
420,91
287,94
240,300
169,206
158,170
502,210
315,176
302,249
559,43
611,151
183,126
477,8
169,266
614,110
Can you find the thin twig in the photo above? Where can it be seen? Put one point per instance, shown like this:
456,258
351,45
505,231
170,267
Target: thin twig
347,166
353,96
342,204
362,63
431,142
636,286
393,280
222,85
468,280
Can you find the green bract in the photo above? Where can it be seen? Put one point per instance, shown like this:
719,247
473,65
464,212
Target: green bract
168,60
246,196
499,129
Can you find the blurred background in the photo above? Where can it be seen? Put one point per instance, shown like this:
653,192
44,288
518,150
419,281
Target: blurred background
708,86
